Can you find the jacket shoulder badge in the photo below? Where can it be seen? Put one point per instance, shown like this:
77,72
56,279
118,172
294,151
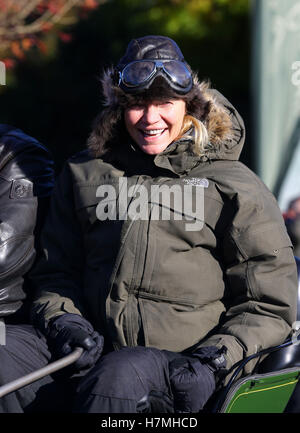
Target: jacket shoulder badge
196,181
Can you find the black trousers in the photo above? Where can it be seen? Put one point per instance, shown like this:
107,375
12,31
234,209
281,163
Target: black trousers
24,352
121,380
118,383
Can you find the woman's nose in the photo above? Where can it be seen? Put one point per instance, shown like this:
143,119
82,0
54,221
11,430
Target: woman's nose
151,114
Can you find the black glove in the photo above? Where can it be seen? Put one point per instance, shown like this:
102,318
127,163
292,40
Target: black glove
69,331
193,378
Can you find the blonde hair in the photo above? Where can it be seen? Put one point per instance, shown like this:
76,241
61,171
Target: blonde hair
199,136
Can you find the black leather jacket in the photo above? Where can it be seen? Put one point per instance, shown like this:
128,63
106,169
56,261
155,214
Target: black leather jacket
26,182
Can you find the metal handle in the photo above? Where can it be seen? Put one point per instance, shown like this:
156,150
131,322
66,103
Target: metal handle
38,374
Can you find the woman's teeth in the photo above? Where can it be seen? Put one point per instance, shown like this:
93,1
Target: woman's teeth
153,132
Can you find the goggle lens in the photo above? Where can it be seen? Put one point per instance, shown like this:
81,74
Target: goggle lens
138,73
178,73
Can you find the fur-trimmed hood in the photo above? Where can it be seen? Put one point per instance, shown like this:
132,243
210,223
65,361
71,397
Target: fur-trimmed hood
225,126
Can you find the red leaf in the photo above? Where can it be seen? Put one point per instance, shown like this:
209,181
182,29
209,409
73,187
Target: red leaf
16,50
65,37
27,43
90,4
42,46
3,6
9,63
54,7
46,26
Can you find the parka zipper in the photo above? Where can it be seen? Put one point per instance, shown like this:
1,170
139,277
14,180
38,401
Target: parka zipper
137,277
118,261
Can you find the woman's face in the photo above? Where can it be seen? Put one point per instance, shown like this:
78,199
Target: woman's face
154,125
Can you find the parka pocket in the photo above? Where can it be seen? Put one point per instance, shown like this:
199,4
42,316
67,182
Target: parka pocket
262,240
85,196
86,203
96,202
265,262
175,326
101,231
106,201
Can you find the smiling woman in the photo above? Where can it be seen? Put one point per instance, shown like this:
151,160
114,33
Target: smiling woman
155,125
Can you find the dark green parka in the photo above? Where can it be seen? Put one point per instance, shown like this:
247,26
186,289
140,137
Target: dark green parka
153,282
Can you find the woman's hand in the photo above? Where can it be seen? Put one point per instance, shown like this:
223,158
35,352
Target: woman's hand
71,330
192,384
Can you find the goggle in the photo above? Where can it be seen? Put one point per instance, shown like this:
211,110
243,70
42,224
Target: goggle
140,74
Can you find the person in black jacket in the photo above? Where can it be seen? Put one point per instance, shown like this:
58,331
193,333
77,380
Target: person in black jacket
26,182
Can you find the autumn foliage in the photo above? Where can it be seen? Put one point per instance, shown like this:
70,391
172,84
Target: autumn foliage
24,23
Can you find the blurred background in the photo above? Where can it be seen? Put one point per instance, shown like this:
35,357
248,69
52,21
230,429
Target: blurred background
54,50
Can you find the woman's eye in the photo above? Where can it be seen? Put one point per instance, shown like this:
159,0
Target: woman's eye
165,104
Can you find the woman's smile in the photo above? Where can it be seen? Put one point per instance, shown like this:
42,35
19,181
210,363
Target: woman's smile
153,133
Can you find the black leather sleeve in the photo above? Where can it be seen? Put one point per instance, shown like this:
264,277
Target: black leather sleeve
26,182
